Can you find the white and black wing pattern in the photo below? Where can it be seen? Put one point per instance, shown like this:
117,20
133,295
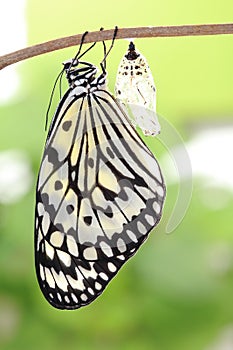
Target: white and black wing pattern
135,90
99,193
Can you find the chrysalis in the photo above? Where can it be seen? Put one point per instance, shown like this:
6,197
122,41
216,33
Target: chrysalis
135,90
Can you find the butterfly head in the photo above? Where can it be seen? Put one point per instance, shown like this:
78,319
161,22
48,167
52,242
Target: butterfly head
79,73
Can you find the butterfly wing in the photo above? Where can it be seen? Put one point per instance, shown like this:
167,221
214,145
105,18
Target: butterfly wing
99,193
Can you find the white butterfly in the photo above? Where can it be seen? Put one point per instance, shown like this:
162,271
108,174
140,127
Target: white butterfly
99,193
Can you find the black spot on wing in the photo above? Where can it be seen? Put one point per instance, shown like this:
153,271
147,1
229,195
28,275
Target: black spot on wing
70,208
58,185
52,155
88,220
66,125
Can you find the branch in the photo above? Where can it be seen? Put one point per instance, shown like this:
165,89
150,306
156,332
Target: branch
139,32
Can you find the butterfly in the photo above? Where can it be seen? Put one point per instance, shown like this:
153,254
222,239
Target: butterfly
99,193
135,90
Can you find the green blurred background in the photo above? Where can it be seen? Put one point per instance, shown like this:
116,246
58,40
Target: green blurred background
176,293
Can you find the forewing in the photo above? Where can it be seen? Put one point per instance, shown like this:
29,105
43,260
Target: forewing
100,192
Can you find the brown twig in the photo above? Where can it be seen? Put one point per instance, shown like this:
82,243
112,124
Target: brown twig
140,32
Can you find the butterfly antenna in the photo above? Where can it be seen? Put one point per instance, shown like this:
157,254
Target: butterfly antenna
89,48
103,63
78,56
80,46
51,97
60,83
105,52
